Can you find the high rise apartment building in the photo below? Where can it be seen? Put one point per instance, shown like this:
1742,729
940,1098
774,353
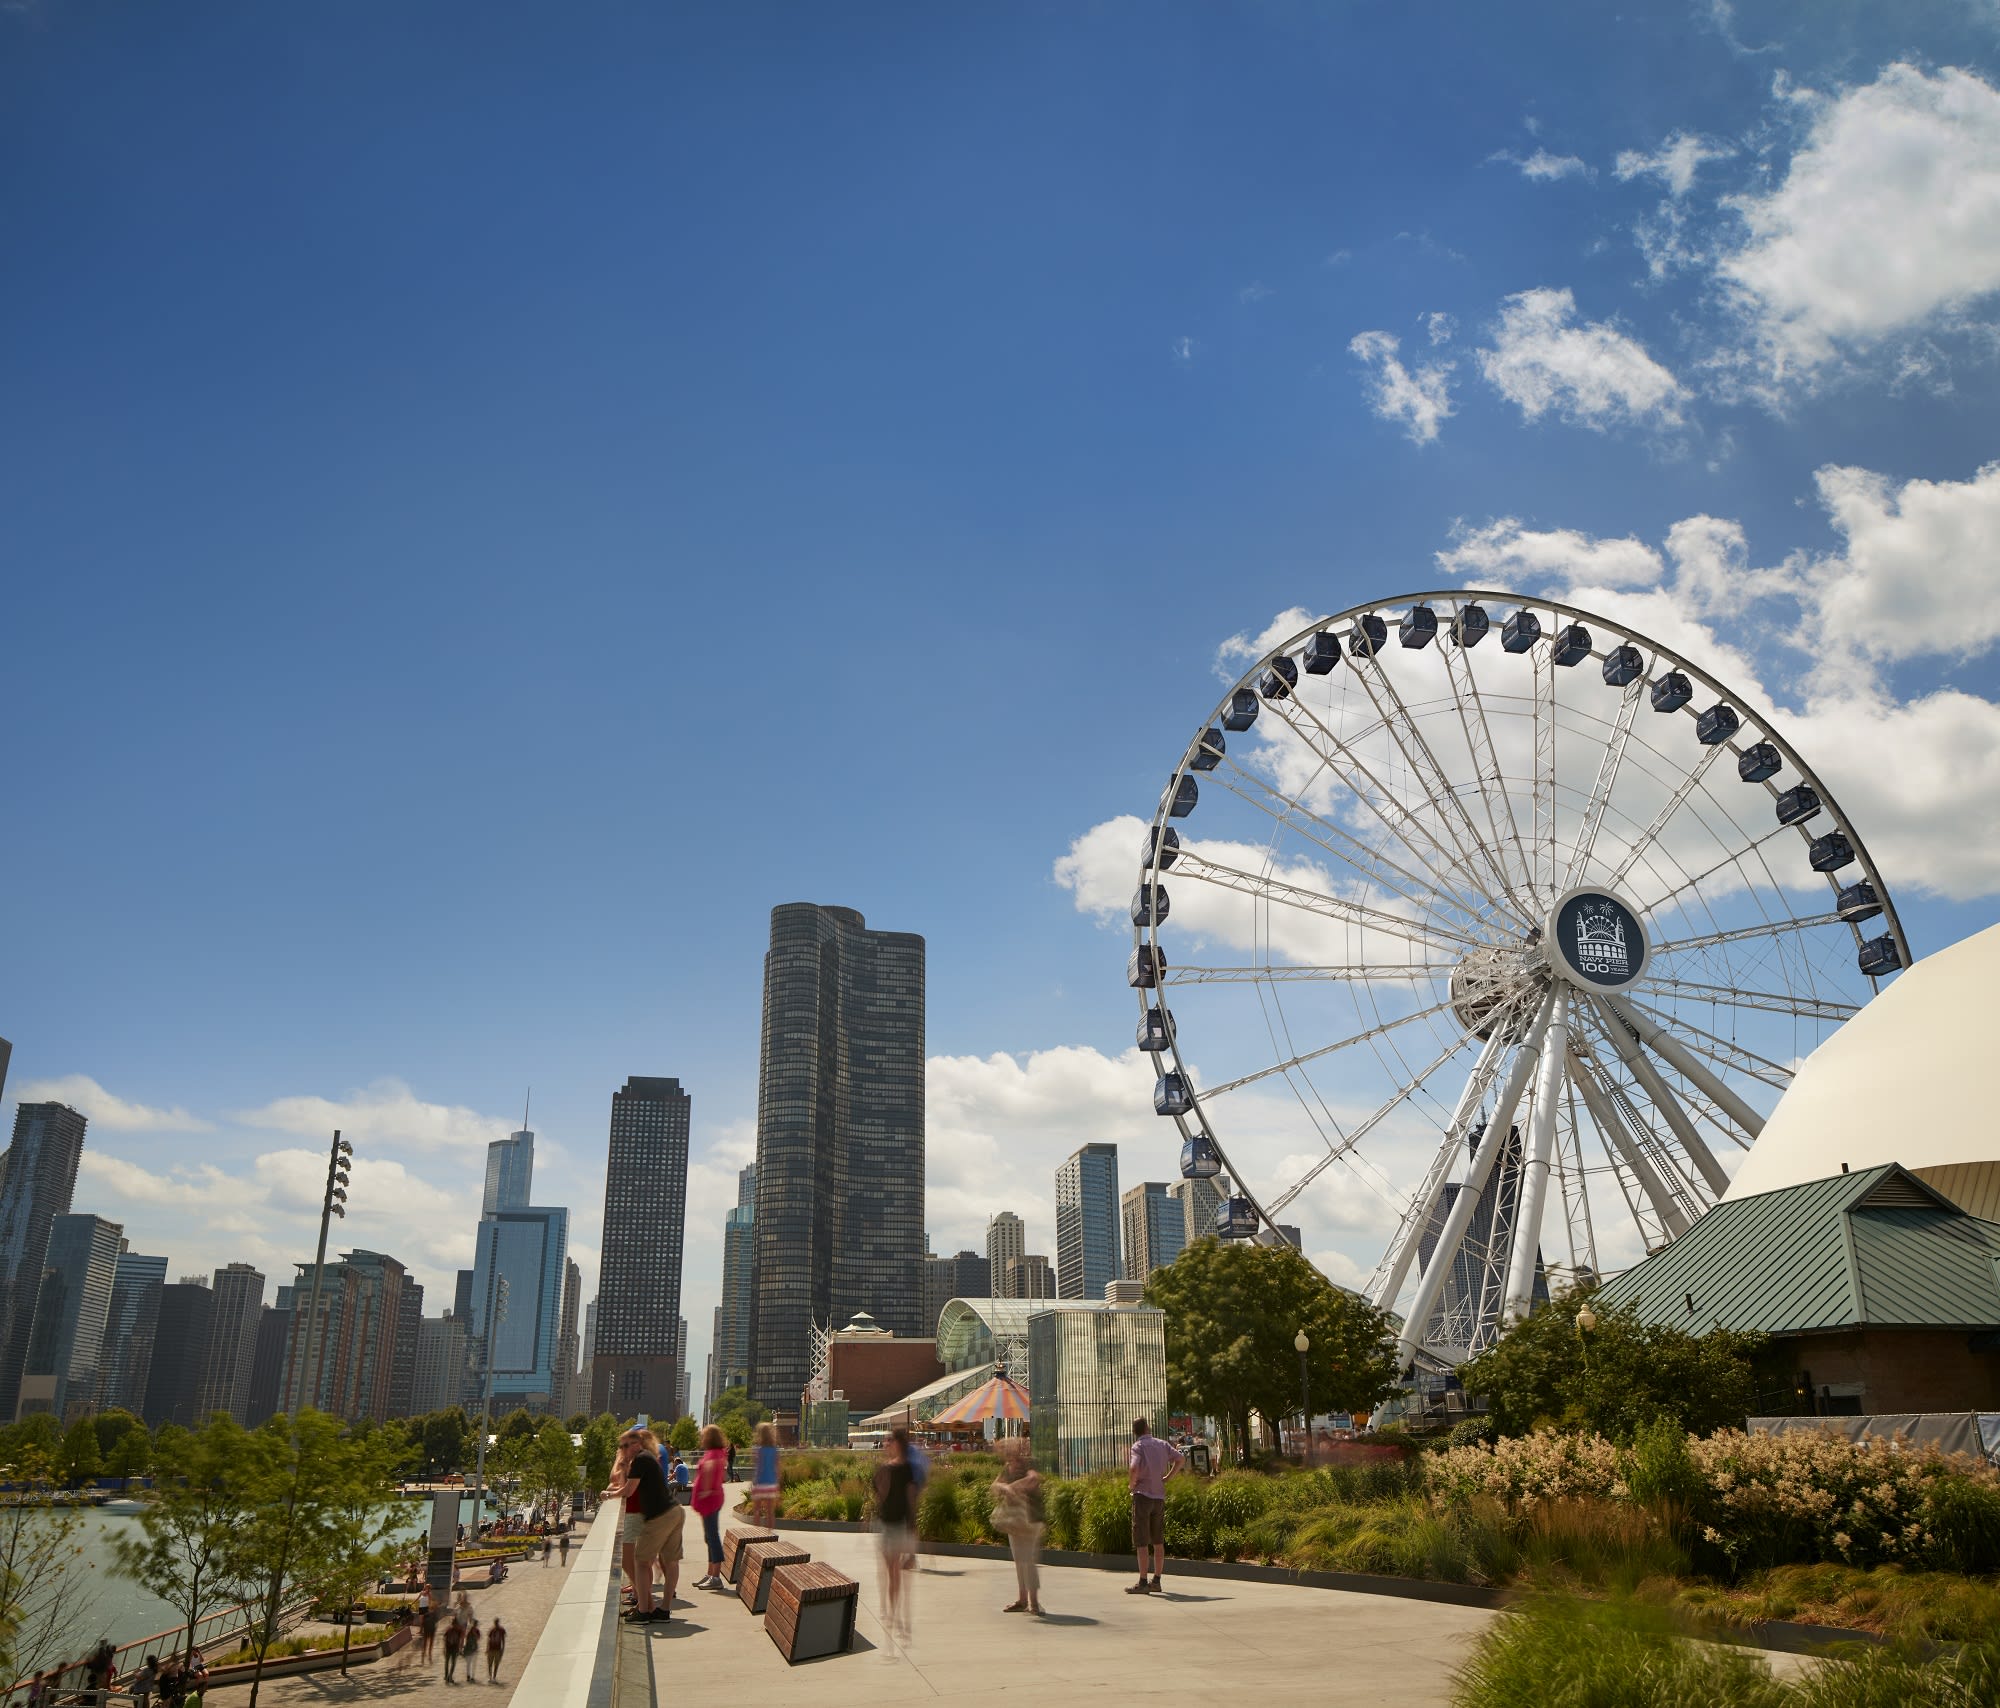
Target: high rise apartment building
510,1173
1029,1277
731,1352
37,1178
439,1376
72,1307
964,1275
1154,1229
180,1356
568,1398
232,1347
1087,1246
267,1367
529,1248
129,1327
1199,1200
840,1139
403,1369
633,1366
1006,1239
343,1363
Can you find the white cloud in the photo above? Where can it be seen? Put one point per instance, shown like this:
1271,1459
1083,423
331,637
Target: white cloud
1544,167
1421,401
107,1111
1504,552
1589,373
1441,326
1183,349
1887,221
1255,291
1674,163
388,1109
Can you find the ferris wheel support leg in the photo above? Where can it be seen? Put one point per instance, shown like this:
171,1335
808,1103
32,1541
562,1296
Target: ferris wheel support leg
1527,1233
1668,1105
1431,1283
1421,1212
1670,1049
1672,1217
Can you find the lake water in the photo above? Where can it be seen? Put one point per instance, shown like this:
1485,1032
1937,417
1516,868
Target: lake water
117,1608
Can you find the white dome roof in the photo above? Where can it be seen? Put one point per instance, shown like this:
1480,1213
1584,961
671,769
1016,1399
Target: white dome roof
1909,1079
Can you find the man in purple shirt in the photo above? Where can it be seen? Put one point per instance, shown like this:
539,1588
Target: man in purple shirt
1152,1461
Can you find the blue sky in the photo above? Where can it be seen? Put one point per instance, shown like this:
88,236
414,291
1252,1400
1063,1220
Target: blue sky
497,497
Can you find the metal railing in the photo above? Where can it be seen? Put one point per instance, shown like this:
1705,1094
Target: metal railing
71,1681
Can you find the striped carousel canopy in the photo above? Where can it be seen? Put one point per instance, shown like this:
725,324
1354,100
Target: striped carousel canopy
999,1398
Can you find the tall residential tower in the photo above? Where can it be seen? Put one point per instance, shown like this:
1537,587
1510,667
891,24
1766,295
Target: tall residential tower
37,1177
1087,1223
633,1355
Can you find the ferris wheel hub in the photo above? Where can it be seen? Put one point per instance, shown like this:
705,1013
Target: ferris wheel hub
1492,979
1596,940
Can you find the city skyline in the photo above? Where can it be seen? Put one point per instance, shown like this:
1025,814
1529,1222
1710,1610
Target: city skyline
1154,372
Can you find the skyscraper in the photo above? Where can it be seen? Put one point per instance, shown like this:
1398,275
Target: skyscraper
72,1306
403,1371
510,1173
569,1398
267,1368
584,1381
840,1139
440,1367
461,1298
1087,1223
345,1363
232,1347
180,1353
129,1327
1199,1200
37,1177
530,1248
739,1256
1006,1239
6,1055
963,1275
639,1275
1155,1229
1029,1277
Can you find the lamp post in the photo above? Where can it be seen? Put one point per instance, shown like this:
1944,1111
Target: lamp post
1303,1346
1586,1322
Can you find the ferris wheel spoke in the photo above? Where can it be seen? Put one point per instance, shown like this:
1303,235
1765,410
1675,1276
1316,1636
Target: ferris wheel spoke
1607,778
1493,793
1743,933
1353,1137
1403,824
1690,781
1678,1121
1193,864
1210,1093
1354,973
1774,1002
1662,1042
1417,753
1350,849
1754,846
1543,855
1725,1051
1597,1099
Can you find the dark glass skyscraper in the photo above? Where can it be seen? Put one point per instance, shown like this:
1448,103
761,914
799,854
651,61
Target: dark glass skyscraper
1087,1223
840,1139
37,1177
731,1352
634,1357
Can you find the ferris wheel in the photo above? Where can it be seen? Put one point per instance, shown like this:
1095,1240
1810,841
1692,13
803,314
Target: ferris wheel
1483,930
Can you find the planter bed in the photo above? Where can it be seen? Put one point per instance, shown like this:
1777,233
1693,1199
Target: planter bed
316,1660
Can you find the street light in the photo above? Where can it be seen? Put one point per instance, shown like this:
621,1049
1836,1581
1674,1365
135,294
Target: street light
1586,1323
1304,1346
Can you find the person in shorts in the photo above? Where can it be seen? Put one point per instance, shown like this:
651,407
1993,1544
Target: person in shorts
1151,1462
650,1497
896,1512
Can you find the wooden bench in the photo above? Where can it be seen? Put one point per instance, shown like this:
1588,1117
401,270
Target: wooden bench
733,1544
811,1611
757,1563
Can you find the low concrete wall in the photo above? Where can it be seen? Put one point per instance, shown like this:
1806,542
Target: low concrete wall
575,1655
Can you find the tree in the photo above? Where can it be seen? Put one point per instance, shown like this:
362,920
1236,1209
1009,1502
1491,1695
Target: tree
736,1402
81,1461
131,1455
685,1434
1623,1374
1233,1310
579,1423
735,1429
45,1588
551,1469
206,1491
519,1422
446,1438
112,1427
39,1434
600,1449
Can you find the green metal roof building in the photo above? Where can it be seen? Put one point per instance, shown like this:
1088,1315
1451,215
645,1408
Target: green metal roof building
1883,1294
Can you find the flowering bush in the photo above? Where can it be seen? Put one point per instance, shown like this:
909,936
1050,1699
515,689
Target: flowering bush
1525,1469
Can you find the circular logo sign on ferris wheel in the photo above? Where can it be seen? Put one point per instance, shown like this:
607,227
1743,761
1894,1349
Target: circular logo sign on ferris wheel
1598,940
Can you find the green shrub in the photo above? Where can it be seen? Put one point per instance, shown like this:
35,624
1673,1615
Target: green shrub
1662,1469
1236,1499
1190,1533
1231,1543
1963,1518
1269,1537
1107,1516
1600,1543
1063,1501
975,1508
937,1512
1473,1432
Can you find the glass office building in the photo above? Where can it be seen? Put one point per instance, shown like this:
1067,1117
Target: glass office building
1087,1244
1091,1371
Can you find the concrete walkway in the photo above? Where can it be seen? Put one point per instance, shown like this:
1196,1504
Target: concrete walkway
1205,1640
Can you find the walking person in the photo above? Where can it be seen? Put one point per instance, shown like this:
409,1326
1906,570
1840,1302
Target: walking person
1017,1515
563,1545
896,1511
427,1634
764,1476
472,1653
496,1647
144,1682
1151,1461
548,1548
710,1482
454,1638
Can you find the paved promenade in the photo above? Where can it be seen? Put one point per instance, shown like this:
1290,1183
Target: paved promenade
1205,1640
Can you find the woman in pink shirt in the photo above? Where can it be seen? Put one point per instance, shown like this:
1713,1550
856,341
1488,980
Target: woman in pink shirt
710,1477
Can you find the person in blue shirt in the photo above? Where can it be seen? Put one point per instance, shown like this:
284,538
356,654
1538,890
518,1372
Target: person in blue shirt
764,1476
